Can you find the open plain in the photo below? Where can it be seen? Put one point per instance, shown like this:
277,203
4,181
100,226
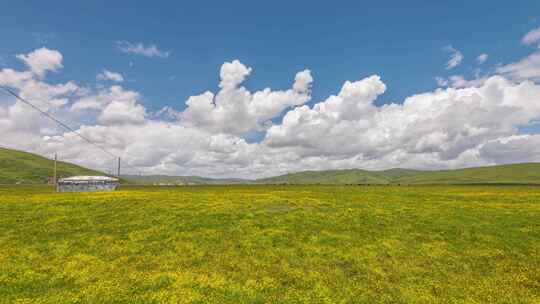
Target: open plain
271,244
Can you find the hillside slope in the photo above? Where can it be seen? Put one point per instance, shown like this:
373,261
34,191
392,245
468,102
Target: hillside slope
526,173
28,168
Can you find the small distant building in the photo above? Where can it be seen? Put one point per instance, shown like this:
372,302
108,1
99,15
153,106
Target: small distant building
87,184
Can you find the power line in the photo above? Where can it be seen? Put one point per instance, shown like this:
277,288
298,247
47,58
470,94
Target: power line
56,120
65,126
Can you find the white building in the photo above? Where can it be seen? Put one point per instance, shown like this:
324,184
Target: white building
87,184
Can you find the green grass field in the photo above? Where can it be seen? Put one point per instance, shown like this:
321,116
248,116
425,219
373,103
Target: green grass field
271,244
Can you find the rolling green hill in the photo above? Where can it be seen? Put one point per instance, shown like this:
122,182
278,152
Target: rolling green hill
17,167
526,173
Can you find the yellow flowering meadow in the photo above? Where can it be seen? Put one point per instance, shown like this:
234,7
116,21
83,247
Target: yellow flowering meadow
271,244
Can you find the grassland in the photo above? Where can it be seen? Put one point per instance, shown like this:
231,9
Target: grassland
271,244
28,168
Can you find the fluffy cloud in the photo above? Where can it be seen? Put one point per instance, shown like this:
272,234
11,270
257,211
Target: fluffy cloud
456,57
139,48
18,121
112,106
531,37
42,60
236,110
435,127
474,122
122,113
108,75
233,74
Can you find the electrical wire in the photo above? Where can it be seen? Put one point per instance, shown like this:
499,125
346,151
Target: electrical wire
65,126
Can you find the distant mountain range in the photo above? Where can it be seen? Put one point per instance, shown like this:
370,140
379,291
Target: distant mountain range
27,168
182,180
526,173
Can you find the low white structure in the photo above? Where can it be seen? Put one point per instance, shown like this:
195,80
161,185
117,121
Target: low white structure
87,184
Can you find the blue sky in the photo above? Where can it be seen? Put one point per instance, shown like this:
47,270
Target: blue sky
469,70
400,40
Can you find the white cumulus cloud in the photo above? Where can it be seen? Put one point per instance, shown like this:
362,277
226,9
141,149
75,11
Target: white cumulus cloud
42,60
471,122
236,110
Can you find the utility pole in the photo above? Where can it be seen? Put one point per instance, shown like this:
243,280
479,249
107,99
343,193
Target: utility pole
55,176
118,168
